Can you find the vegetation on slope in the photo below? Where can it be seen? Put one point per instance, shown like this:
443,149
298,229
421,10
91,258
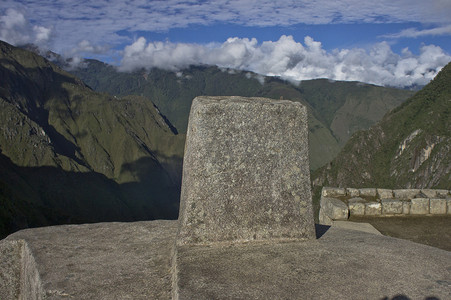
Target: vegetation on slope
69,154
409,148
336,109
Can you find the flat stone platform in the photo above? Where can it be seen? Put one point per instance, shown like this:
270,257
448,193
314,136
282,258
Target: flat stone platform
134,261
92,261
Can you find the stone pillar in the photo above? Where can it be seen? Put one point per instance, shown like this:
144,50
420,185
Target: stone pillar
245,172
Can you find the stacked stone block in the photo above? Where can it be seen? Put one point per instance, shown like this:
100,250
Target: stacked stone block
340,203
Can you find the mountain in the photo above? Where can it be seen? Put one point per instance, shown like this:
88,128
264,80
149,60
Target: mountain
69,154
409,148
336,109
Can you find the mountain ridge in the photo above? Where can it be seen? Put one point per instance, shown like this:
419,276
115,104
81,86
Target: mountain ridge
409,148
336,109
330,103
70,154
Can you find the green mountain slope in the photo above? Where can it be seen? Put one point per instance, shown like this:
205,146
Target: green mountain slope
347,107
409,148
69,154
336,109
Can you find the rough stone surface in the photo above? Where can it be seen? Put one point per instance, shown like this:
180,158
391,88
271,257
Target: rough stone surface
429,193
442,193
10,268
356,206
391,206
368,192
31,284
373,208
246,172
419,206
333,192
437,206
394,202
356,209
93,261
448,206
406,207
384,193
334,208
133,261
406,193
365,227
352,192
342,264
19,277
324,220
356,200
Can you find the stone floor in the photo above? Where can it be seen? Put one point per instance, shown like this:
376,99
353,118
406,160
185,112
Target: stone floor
134,261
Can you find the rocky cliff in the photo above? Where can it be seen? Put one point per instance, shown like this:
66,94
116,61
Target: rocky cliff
69,154
409,148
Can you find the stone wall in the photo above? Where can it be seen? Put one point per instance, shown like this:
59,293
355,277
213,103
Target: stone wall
341,203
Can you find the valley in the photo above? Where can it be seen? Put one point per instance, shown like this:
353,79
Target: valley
99,145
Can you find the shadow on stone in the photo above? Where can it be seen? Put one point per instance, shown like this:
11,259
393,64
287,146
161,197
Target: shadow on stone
320,230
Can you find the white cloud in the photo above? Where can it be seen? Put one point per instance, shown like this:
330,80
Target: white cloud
15,29
83,48
293,60
415,33
80,28
100,21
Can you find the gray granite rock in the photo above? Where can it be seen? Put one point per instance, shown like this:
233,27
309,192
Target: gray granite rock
324,219
437,206
442,193
429,193
92,261
246,172
135,261
364,227
368,192
373,208
10,268
342,264
334,208
352,192
385,193
406,194
356,209
356,200
333,192
406,207
391,206
419,206
356,206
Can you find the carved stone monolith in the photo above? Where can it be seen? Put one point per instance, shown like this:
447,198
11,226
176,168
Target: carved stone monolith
246,172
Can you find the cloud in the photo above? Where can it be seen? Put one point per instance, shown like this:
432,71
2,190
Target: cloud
101,22
83,48
77,28
415,33
15,29
293,60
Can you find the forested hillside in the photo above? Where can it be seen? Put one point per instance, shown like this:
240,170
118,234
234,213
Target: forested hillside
336,109
69,154
409,148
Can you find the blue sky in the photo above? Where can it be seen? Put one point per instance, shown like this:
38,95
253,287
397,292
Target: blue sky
385,42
